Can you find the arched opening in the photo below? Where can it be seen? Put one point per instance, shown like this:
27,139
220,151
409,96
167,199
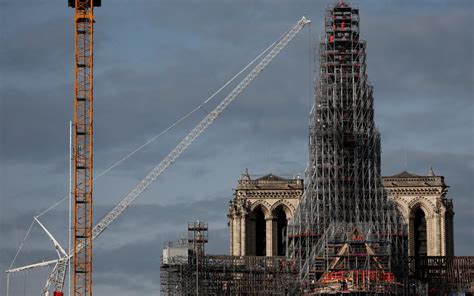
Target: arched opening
260,232
282,224
420,233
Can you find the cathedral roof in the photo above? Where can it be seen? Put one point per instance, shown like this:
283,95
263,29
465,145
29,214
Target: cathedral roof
412,184
405,174
269,182
271,177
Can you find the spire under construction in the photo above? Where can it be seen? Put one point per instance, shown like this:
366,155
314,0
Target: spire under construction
345,234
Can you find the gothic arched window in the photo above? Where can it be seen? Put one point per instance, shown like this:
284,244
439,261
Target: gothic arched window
420,236
282,224
260,232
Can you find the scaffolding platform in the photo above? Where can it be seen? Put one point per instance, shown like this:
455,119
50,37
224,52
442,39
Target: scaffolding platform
230,275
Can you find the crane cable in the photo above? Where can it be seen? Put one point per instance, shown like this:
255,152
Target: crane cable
154,138
22,243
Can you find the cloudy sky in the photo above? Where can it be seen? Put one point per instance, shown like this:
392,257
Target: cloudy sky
157,60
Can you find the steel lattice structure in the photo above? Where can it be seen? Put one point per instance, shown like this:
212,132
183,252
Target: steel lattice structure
344,221
83,144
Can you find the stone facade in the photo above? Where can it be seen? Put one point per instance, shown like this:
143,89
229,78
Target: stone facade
425,208
259,213
261,207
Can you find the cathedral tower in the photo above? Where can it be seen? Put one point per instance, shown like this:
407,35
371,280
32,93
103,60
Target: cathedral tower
345,222
426,210
259,214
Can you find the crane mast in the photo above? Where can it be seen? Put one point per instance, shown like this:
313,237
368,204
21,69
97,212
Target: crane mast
83,145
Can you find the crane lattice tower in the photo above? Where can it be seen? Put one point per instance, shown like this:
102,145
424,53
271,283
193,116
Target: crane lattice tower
344,200
83,143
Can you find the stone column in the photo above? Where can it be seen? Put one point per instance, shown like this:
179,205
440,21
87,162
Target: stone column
430,233
270,238
231,235
243,236
442,227
236,239
439,236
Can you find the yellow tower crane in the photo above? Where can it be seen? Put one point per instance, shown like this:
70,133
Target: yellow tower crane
83,144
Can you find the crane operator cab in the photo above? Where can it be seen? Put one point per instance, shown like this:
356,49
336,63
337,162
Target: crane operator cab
72,3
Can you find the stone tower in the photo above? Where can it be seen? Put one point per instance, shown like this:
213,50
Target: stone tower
426,210
259,214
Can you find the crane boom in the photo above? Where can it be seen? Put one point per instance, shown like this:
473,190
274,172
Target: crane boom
113,214
201,127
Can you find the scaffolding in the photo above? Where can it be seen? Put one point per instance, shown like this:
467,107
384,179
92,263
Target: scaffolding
187,270
442,275
229,275
346,235
198,236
